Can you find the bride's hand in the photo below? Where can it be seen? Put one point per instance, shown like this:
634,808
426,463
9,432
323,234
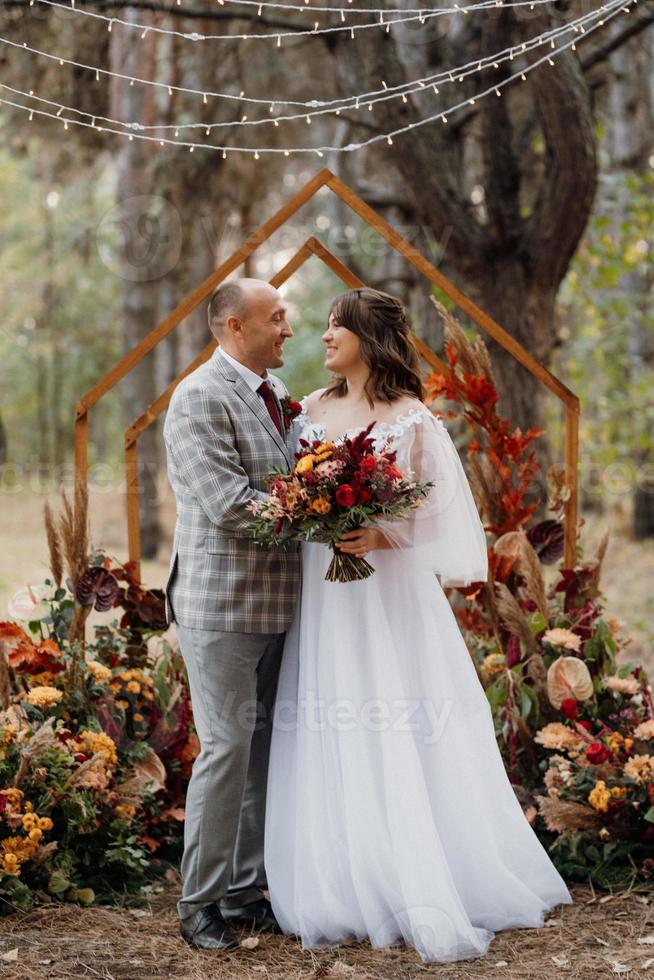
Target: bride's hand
361,541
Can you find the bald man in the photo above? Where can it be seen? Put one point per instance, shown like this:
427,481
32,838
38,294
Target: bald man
232,602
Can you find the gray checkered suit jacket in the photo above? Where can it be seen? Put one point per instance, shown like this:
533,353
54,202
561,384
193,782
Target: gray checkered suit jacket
220,445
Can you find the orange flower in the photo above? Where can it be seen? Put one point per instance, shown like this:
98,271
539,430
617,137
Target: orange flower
321,505
27,658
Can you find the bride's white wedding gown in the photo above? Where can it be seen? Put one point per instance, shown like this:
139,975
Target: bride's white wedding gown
389,813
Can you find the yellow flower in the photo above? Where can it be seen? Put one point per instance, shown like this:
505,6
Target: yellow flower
125,811
617,792
29,821
599,796
44,679
99,671
133,686
321,457
45,823
36,834
615,741
640,768
13,795
92,742
8,734
10,864
321,505
122,703
325,447
44,697
304,465
494,663
645,730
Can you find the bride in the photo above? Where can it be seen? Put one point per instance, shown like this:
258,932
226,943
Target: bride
389,812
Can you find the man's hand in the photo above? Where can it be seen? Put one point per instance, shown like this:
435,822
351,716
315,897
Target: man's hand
361,541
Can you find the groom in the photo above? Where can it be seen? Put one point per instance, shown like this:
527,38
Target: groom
232,601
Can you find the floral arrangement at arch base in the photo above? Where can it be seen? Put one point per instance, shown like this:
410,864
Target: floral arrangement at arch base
96,738
575,728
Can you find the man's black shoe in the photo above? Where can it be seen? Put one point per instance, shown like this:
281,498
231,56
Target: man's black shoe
206,929
257,915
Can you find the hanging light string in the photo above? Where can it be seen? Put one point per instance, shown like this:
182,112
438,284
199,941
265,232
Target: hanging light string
339,103
426,14
613,9
343,10
426,84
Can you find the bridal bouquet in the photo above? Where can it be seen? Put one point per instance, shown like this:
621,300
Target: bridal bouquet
334,488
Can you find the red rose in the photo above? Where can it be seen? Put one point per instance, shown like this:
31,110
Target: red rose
345,496
597,753
368,463
585,724
363,496
570,707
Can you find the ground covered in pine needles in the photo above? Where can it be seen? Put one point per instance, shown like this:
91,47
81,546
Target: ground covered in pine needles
601,935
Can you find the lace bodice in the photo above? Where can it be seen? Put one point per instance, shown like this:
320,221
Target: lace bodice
383,432
445,532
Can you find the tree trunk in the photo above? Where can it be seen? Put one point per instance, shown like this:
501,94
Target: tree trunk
143,241
631,103
3,442
508,217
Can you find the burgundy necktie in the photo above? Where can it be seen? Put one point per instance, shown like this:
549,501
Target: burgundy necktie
265,391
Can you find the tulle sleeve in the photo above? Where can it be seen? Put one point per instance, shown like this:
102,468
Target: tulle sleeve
446,533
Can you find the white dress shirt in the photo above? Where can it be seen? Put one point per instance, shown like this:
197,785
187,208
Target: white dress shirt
250,377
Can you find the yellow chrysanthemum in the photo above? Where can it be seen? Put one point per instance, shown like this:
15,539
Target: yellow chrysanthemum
321,505
29,821
44,697
133,686
304,465
599,796
100,672
45,823
10,864
93,742
8,734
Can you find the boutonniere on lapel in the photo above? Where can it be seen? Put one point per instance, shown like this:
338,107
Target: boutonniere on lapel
290,410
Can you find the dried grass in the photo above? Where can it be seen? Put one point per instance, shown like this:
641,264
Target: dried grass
54,545
583,940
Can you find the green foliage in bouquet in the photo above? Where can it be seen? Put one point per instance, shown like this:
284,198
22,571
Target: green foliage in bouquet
576,730
96,738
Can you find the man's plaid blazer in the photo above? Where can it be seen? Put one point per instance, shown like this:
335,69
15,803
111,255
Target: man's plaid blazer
220,444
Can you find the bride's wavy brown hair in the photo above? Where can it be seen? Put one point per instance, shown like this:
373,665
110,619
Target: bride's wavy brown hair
380,322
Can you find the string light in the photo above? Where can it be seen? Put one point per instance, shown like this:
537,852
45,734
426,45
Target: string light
350,102
405,17
612,10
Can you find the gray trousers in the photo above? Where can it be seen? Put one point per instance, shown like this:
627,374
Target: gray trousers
233,680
